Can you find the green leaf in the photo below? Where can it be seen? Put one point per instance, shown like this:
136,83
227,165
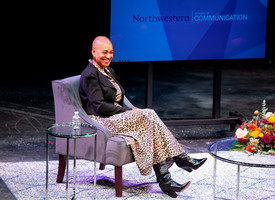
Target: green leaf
237,144
235,148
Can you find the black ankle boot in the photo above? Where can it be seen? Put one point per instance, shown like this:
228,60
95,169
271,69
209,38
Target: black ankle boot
166,184
187,163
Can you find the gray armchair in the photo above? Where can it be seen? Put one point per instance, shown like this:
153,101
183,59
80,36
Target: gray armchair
110,150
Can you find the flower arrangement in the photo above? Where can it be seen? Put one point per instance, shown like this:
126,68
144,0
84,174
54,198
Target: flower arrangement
258,134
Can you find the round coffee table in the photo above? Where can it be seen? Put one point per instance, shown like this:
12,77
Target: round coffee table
220,150
66,130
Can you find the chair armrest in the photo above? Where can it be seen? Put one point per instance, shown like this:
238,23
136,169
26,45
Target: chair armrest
86,119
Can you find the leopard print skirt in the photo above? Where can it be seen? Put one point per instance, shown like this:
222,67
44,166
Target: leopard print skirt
150,140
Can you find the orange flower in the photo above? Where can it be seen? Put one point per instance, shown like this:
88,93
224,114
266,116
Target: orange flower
267,132
252,127
250,148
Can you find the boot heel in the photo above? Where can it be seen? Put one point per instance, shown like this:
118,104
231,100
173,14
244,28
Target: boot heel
187,169
169,192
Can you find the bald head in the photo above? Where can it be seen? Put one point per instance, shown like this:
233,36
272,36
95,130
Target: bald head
100,40
102,51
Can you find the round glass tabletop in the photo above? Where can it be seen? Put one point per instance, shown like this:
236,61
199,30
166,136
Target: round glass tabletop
66,130
220,150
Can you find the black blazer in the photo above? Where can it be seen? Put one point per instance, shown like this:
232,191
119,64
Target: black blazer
98,94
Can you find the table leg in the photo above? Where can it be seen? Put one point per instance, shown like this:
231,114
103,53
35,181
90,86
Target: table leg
238,182
47,165
95,144
67,173
214,177
74,165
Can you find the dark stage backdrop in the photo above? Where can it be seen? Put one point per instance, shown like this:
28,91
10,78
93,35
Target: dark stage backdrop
50,41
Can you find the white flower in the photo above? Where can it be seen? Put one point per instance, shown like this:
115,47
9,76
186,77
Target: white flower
241,133
268,114
254,142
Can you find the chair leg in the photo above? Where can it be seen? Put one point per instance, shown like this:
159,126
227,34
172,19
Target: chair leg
118,174
102,166
118,181
61,168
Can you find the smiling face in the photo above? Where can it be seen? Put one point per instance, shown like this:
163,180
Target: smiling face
102,51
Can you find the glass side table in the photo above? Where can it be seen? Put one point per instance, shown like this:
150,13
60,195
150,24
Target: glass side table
65,130
220,150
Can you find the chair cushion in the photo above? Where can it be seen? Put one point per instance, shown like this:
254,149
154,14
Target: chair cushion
118,152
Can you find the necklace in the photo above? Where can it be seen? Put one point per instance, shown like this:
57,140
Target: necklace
96,65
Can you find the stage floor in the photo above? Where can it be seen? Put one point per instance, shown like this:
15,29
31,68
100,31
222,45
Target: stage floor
27,108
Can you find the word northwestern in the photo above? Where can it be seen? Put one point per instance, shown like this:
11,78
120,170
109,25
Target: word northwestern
153,18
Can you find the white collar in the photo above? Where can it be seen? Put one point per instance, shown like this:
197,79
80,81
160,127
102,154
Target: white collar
103,72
